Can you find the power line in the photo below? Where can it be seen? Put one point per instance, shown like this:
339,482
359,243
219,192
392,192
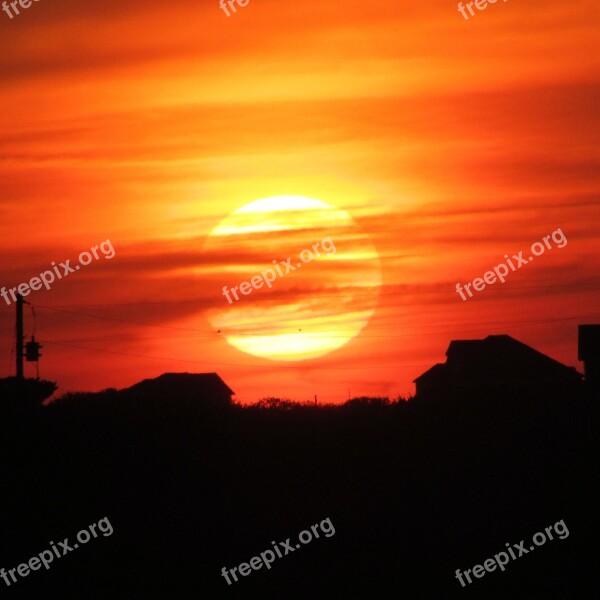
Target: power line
209,334
251,365
269,366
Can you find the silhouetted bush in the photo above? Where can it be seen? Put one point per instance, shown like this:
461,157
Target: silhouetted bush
368,402
25,393
276,404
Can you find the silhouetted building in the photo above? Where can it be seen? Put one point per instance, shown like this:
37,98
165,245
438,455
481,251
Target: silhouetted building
497,365
208,388
589,353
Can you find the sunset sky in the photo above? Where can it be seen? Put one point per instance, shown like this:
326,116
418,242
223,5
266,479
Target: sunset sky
441,144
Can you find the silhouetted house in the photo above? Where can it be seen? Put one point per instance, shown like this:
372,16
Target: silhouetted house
205,389
589,353
496,366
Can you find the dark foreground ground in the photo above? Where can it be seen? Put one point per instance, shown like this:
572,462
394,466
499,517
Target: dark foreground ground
413,491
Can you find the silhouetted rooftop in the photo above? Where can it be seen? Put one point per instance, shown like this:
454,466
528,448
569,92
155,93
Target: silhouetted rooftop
495,358
184,384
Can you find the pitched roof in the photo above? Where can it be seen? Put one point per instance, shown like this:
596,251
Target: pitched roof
503,351
434,372
205,383
496,354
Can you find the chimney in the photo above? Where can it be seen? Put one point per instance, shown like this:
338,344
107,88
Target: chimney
589,353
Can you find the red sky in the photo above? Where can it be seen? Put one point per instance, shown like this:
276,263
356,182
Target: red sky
449,143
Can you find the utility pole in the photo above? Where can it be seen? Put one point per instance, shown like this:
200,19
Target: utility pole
20,337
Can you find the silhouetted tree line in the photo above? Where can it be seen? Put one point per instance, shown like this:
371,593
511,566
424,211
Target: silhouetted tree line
416,489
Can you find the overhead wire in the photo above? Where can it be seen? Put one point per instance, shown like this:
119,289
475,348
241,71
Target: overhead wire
211,333
268,366
207,334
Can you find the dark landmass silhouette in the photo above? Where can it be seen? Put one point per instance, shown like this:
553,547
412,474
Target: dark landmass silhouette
193,482
415,491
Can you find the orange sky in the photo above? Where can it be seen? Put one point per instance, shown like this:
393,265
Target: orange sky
449,142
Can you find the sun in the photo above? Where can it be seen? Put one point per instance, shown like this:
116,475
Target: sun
300,279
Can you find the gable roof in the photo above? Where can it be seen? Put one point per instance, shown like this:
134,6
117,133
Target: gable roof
499,352
435,372
204,383
496,355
